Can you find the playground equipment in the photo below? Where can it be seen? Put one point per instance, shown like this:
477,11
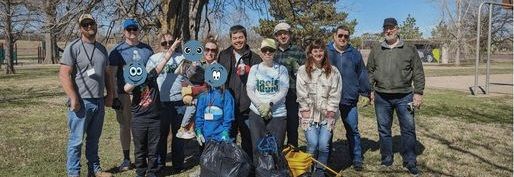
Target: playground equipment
473,89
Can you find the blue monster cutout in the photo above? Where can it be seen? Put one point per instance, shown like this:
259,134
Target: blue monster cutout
135,72
193,50
215,75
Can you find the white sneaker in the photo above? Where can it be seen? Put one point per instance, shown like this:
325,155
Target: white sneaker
124,166
185,134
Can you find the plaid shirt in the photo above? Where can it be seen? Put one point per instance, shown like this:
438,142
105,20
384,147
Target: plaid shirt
292,58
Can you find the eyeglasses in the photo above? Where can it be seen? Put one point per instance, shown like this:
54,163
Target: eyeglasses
129,29
87,24
166,43
347,36
210,50
268,49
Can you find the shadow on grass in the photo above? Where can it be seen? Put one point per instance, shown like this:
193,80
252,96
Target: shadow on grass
25,73
340,158
452,146
191,154
23,97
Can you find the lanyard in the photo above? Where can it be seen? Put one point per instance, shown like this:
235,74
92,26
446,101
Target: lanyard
90,58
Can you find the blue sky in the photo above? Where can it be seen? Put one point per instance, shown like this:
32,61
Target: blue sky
371,13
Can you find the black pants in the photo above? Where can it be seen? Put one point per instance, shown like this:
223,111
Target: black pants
145,134
258,128
240,126
292,118
169,116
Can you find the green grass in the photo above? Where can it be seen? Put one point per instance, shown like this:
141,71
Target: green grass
458,135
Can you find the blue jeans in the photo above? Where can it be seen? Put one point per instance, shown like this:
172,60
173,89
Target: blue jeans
384,106
86,121
318,139
350,117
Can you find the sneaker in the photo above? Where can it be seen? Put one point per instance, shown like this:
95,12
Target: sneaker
124,166
413,170
185,134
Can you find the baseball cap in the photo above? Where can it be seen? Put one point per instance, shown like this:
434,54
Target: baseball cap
268,42
86,17
390,22
129,22
282,26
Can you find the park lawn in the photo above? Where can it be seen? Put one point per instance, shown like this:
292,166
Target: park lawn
458,135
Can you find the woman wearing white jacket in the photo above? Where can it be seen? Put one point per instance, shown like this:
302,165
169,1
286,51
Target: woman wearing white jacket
318,87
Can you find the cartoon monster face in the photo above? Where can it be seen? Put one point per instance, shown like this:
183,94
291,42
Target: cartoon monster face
193,50
215,75
135,73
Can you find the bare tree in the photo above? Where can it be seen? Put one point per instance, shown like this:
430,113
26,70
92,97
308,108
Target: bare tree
15,19
58,17
460,26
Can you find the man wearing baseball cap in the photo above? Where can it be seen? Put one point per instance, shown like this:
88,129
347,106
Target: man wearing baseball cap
292,57
84,75
120,55
397,82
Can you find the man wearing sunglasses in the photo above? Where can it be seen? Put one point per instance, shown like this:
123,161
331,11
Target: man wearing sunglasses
171,100
348,61
292,57
84,75
120,55
397,79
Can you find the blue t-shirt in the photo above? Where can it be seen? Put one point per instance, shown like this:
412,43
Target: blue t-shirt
122,54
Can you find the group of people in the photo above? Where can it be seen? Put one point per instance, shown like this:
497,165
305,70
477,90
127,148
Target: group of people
278,91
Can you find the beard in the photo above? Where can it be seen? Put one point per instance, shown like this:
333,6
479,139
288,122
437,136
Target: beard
390,38
89,33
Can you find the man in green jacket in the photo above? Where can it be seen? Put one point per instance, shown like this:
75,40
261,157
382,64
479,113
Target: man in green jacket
397,79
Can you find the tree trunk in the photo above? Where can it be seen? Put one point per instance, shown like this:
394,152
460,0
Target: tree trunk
49,49
50,42
459,35
182,17
9,40
195,16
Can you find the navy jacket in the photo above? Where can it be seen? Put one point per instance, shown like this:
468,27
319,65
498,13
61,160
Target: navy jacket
353,73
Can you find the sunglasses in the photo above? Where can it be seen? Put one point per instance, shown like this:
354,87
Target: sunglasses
87,24
210,50
347,36
268,49
166,43
129,29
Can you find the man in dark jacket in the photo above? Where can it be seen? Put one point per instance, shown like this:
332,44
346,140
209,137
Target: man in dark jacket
292,57
348,61
238,59
393,68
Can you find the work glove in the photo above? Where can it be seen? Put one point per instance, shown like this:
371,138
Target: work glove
187,90
224,136
265,111
199,137
187,99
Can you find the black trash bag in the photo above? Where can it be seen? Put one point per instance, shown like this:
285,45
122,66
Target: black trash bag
224,159
269,160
